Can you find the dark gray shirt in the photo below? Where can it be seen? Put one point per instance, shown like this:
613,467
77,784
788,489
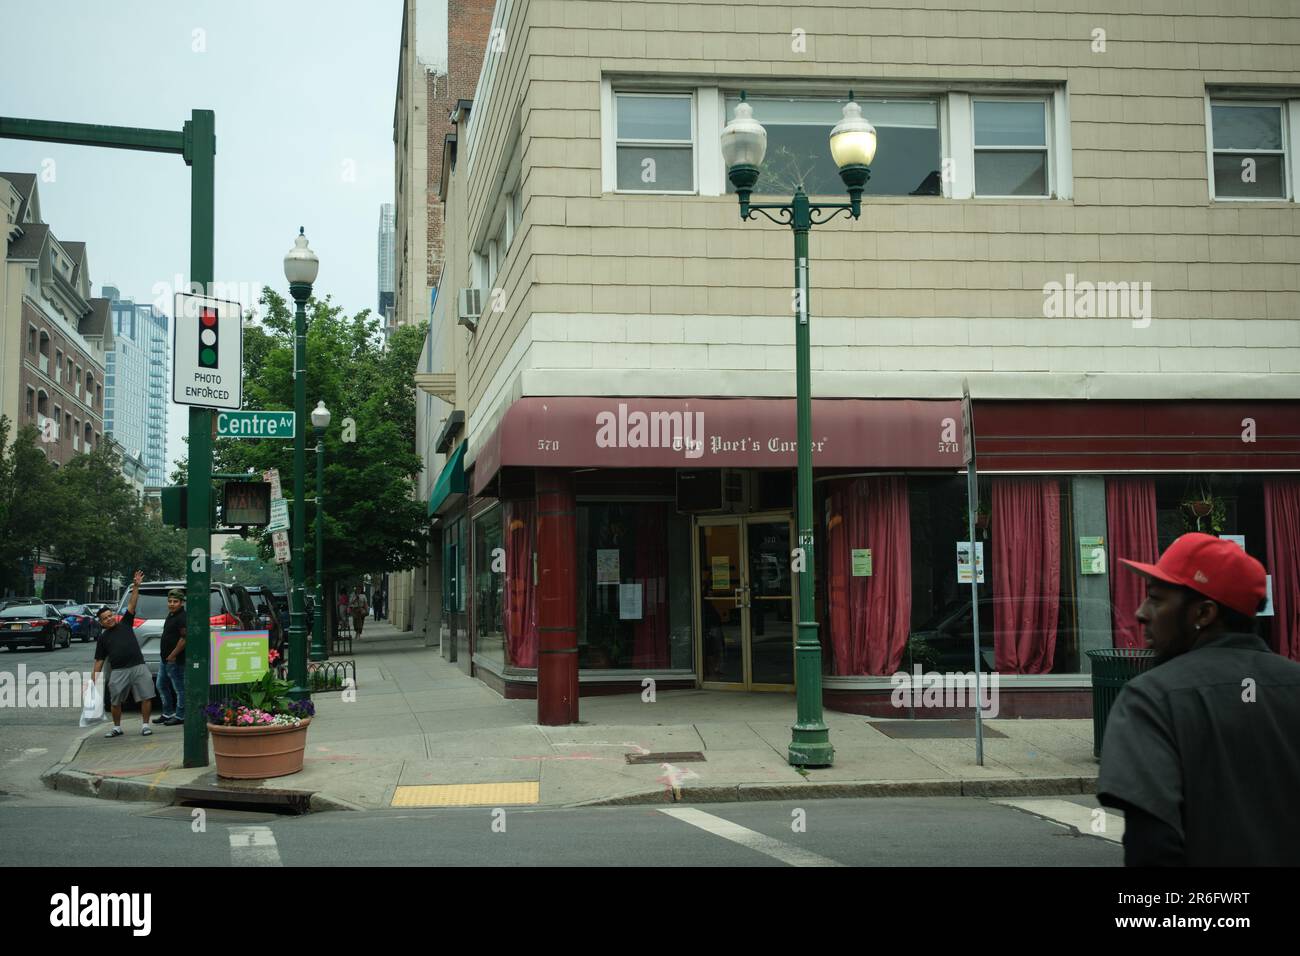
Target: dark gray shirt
1209,743
119,645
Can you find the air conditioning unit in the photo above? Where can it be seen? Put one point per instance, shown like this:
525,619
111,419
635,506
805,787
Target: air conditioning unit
469,308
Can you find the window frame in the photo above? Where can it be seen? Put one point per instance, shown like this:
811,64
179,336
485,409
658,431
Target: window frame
612,141
1047,101
1289,114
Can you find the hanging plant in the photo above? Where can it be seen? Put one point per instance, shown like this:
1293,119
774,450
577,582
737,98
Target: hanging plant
1205,512
983,516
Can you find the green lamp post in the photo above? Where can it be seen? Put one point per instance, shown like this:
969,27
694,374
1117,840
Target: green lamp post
853,147
300,268
320,420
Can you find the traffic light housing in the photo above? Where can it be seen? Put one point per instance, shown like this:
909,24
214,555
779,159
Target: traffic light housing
209,346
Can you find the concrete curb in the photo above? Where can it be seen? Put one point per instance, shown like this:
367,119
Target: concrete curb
830,790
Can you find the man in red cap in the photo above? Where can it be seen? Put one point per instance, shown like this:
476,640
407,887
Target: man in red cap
1202,752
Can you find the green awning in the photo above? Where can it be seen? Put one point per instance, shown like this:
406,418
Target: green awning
450,486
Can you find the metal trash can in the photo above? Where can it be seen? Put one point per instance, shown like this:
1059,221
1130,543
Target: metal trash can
1112,668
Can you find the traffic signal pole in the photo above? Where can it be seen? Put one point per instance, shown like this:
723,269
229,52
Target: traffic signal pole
196,143
200,154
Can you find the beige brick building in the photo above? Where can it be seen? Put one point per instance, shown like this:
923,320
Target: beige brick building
1086,211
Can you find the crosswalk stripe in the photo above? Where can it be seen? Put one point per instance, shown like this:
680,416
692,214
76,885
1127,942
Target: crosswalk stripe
747,837
1072,815
253,846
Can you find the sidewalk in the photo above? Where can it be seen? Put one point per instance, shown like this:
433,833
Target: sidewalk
418,722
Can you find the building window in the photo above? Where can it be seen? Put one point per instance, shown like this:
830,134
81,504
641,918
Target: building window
31,401
58,366
654,142
1249,146
1011,148
89,435
43,404
31,340
908,160
634,586
76,380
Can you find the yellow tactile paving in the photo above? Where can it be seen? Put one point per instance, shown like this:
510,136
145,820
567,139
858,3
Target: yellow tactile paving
467,794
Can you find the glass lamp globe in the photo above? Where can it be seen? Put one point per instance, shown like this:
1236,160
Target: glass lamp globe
320,415
853,140
300,263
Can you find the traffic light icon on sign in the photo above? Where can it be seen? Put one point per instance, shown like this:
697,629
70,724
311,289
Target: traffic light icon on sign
207,337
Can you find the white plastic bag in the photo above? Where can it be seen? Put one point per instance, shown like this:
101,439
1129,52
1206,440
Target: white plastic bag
92,707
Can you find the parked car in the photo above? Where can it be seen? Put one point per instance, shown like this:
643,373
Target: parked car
60,603
33,625
228,607
10,602
80,619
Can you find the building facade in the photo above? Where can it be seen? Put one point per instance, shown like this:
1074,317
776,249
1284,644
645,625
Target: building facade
439,63
1090,218
55,333
137,368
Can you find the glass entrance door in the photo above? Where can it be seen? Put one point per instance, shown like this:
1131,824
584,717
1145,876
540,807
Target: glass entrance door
746,602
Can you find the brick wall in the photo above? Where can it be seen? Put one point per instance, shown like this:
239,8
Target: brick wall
468,24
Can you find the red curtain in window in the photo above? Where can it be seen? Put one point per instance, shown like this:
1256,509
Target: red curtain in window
1131,533
1282,518
521,590
870,617
1026,569
650,634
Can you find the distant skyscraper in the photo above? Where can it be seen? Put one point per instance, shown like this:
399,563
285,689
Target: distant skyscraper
387,225
135,405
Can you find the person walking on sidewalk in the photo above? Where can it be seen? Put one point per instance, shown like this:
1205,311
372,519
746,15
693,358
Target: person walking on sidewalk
1202,751
120,647
171,670
359,607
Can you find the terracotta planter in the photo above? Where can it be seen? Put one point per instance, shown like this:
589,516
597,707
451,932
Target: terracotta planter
1201,508
254,753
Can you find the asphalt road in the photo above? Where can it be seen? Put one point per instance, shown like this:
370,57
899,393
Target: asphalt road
59,830
44,828
32,739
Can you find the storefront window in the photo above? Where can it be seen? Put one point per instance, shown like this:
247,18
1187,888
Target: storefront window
634,586
489,588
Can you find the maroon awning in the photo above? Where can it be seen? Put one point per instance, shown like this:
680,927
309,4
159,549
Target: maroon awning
584,432
1098,436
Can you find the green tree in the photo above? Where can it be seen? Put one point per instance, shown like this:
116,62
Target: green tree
32,505
104,521
372,524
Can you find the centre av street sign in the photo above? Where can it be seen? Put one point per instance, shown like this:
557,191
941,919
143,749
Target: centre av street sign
207,352
255,424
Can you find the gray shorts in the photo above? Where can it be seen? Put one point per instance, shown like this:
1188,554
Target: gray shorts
125,680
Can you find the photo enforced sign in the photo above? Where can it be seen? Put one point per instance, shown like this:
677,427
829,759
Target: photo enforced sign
207,352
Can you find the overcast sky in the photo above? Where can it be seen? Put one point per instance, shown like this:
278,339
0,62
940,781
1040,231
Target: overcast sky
303,95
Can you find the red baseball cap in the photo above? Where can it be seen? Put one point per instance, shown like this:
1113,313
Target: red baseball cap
1219,569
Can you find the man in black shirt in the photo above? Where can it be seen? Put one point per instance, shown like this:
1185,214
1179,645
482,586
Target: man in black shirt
171,670
120,647
1202,752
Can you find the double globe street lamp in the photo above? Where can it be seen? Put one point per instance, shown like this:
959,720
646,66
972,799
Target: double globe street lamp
300,268
853,147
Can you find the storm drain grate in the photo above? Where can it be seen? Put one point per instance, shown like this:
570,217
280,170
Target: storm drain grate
681,756
929,729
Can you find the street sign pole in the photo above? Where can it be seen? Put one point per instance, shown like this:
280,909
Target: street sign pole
197,144
972,504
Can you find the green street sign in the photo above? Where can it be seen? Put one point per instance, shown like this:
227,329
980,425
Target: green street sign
255,424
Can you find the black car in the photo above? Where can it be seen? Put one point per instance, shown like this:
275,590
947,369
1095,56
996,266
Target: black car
33,625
